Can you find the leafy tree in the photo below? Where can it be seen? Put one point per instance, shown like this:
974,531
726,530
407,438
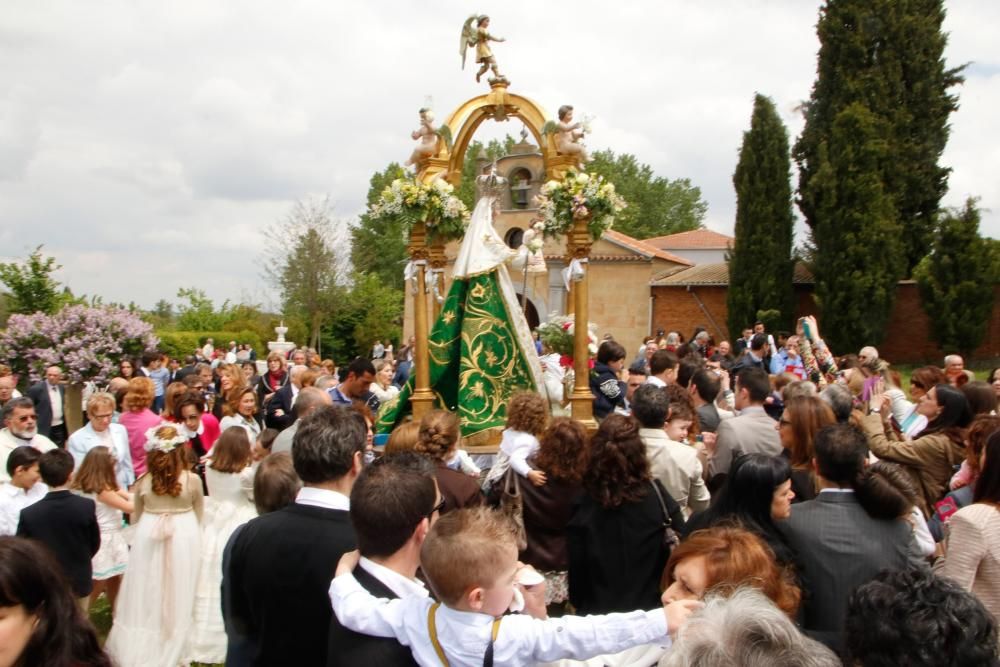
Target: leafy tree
197,312
858,259
378,247
305,260
886,55
957,280
656,206
761,264
370,311
31,285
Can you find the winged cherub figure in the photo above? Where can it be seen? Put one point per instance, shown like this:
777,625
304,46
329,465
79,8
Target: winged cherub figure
480,38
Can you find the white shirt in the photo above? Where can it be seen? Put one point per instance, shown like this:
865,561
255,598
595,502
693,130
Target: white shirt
655,381
13,499
401,585
9,442
249,425
464,636
55,397
519,446
331,500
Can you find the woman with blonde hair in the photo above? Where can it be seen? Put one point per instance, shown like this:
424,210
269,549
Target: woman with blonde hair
274,379
137,418
438,439
100,431
231,385
382,387
157,595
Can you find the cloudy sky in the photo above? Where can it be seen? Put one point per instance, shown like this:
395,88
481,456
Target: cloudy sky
146,144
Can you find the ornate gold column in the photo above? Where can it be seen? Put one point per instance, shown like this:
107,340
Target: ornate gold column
437,262
422,399
578,244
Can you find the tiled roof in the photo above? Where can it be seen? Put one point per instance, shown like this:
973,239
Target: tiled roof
697,239
717,274
643,248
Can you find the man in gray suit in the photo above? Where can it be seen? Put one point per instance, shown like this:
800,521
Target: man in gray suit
839,539
752,432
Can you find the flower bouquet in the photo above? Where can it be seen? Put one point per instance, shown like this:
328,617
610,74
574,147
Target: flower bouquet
557,334
434,204
580,195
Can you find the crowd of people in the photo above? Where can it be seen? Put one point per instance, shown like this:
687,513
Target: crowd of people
765,502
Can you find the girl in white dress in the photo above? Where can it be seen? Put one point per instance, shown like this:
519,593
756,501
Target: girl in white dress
95,479
229,477
154,620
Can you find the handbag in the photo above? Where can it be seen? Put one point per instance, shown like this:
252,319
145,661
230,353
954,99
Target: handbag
512,507
670,538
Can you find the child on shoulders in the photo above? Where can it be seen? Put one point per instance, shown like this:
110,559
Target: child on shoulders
470,561
527,418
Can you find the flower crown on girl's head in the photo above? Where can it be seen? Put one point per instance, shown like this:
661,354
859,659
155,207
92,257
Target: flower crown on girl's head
164,438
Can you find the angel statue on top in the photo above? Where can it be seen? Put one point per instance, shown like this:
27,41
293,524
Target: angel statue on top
480,38
570,134
427,135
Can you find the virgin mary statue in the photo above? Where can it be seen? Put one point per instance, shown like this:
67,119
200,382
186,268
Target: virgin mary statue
481,350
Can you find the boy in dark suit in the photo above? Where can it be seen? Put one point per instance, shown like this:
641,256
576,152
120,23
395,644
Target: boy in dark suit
64,522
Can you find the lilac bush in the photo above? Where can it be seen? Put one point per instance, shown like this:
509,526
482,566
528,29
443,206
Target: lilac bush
86,342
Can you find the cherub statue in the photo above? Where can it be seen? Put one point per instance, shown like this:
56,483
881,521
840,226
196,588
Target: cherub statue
569,134
480,38
427,134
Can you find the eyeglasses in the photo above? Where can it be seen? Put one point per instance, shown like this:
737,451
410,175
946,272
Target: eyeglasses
107,416
436,508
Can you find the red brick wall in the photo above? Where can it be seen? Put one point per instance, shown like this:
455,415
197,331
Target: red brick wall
907,338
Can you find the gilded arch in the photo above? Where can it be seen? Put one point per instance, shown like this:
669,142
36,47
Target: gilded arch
497,105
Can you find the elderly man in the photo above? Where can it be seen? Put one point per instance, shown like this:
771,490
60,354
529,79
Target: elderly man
954,371
787,359
20,428
49,396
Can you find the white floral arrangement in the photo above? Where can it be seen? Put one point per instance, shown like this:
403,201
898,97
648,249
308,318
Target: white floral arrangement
536,241
580,195
164,438
434,204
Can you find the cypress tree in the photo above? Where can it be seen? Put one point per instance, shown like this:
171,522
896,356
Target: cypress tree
887,55
957,280
858,258
760,264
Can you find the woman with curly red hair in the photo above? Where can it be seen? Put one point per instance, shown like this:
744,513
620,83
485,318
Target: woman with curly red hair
156,602
563,458
616,536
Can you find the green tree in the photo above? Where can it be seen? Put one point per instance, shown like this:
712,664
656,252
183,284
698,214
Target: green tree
370,311
888,56
378,247
305,260
957,280
31,287
761,264
858,259
197,312
656,206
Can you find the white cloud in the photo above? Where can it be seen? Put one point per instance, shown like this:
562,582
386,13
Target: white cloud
147,144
